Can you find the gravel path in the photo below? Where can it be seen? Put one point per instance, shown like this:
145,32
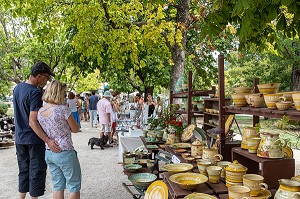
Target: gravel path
101,174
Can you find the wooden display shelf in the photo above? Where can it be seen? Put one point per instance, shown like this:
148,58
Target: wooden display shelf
291,113
271,169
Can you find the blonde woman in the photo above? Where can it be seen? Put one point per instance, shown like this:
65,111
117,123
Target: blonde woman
58,122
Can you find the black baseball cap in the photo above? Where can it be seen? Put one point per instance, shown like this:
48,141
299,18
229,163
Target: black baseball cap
41,67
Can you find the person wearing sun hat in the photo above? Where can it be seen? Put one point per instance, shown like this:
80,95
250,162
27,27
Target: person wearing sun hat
104,111
30,139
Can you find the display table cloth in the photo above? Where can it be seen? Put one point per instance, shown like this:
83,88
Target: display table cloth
129,141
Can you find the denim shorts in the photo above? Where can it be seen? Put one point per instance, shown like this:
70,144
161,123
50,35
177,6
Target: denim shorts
32,168
65,170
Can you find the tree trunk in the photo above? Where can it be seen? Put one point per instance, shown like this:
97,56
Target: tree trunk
178,53
148,89
296,74
296,77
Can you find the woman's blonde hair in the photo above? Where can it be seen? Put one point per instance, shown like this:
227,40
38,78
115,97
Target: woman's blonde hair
55,92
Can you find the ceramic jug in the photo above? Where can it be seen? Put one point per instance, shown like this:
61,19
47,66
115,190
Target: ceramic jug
212,155
270,145
288,189
248,132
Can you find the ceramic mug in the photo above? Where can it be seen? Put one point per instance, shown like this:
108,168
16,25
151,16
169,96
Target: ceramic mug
202,166
255,183
238,192
223,164
150,164
214,173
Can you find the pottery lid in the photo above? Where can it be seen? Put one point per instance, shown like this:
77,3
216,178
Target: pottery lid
197,143
235,166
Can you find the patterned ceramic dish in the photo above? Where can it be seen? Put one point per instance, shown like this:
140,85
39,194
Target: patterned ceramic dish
188,181
181,145
157,189
199,196
132,167
142,180
177,168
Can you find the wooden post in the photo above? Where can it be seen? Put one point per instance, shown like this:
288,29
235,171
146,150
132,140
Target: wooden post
255,118
189,102
221,101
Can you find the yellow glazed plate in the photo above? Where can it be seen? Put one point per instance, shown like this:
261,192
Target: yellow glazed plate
287,152
188,133
262,195
199,196
181,145
157,189
177,168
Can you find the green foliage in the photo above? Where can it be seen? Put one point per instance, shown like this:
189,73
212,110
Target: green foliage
3,108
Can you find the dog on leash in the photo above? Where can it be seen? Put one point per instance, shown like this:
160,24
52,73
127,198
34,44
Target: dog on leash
98,142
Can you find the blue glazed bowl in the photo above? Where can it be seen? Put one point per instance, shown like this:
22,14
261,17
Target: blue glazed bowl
142,180
132,167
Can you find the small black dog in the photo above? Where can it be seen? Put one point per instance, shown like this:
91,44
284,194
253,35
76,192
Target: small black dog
98,142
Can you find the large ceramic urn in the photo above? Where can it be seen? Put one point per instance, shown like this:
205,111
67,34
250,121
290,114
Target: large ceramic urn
197,148
270,145
288,189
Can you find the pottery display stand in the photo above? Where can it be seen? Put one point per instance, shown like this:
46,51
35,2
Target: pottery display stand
271,169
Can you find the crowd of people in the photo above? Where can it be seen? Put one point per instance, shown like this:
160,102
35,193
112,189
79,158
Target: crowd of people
44,123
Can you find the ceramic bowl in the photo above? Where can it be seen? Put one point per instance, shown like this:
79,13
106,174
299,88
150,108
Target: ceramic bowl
132,167
142,180
268,88
271,99
199,196
177,168
239,90
239,100
188,181
190,159
283,105
142,162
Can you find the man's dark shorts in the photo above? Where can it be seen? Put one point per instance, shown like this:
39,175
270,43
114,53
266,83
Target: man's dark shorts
32,168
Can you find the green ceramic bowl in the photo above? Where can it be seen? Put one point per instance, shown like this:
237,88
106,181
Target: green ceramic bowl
142,180
132,167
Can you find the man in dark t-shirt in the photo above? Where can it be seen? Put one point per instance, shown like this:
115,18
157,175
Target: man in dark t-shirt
29,137
93,100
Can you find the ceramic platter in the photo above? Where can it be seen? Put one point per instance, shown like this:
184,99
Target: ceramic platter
199,196
177,168
181,145
263,194
188,133
157,189
152,146
287,152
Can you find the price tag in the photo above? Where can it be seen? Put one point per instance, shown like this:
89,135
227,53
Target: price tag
175,159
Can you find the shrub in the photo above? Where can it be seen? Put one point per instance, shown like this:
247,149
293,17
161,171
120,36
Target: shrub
3,108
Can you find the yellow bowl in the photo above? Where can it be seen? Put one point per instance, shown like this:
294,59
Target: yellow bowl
177,168
188,181
268,88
